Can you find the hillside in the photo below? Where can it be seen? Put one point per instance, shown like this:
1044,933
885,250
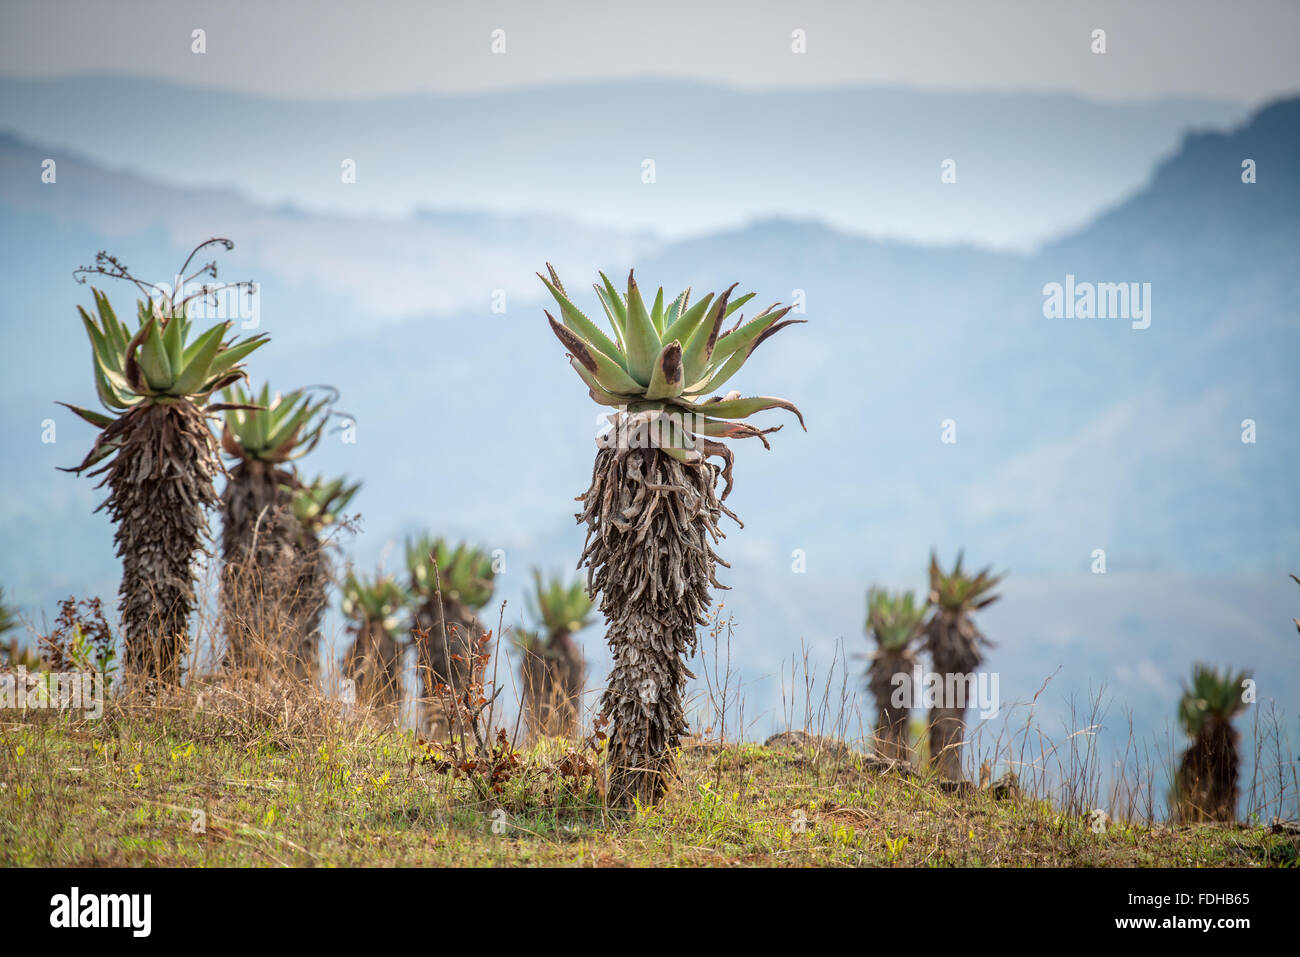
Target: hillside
252,789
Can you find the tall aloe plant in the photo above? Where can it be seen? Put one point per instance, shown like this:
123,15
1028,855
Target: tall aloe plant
652,510
263,434
158,456
552,670
373,663
956,647
894,622
317,505
448,634
1205,786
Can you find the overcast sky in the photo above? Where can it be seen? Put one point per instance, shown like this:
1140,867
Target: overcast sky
1239,51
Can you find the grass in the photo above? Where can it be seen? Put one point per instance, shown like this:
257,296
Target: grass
231,782
268,770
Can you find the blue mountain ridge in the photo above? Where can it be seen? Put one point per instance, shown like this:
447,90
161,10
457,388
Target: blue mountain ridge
863,159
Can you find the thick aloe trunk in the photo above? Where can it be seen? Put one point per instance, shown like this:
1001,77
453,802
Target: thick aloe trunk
892,738
651,526
891,735
258,571
445,661
373,663
553,677
1206,785
947,734
953,643
307,603
160,484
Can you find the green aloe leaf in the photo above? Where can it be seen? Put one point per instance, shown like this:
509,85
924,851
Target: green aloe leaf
746,334
198,367
131,365
234,354
575,319
599,393
607,372
737,303
615,308
675,309
643,345
666,379
258,422
657,311
108,395
286,440
721,428
700,348
202,342
174,343
213,385
745,407
717,376
117,380
100,349
97,419
683,328
153,359
114,328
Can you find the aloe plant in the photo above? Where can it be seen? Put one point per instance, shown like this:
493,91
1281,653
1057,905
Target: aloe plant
263,434
159,456
652,510
373,607
447,633
317,504
1205,787
956,647
894,622
552,670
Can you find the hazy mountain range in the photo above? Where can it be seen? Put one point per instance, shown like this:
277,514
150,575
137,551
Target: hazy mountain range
1072,434
868,160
